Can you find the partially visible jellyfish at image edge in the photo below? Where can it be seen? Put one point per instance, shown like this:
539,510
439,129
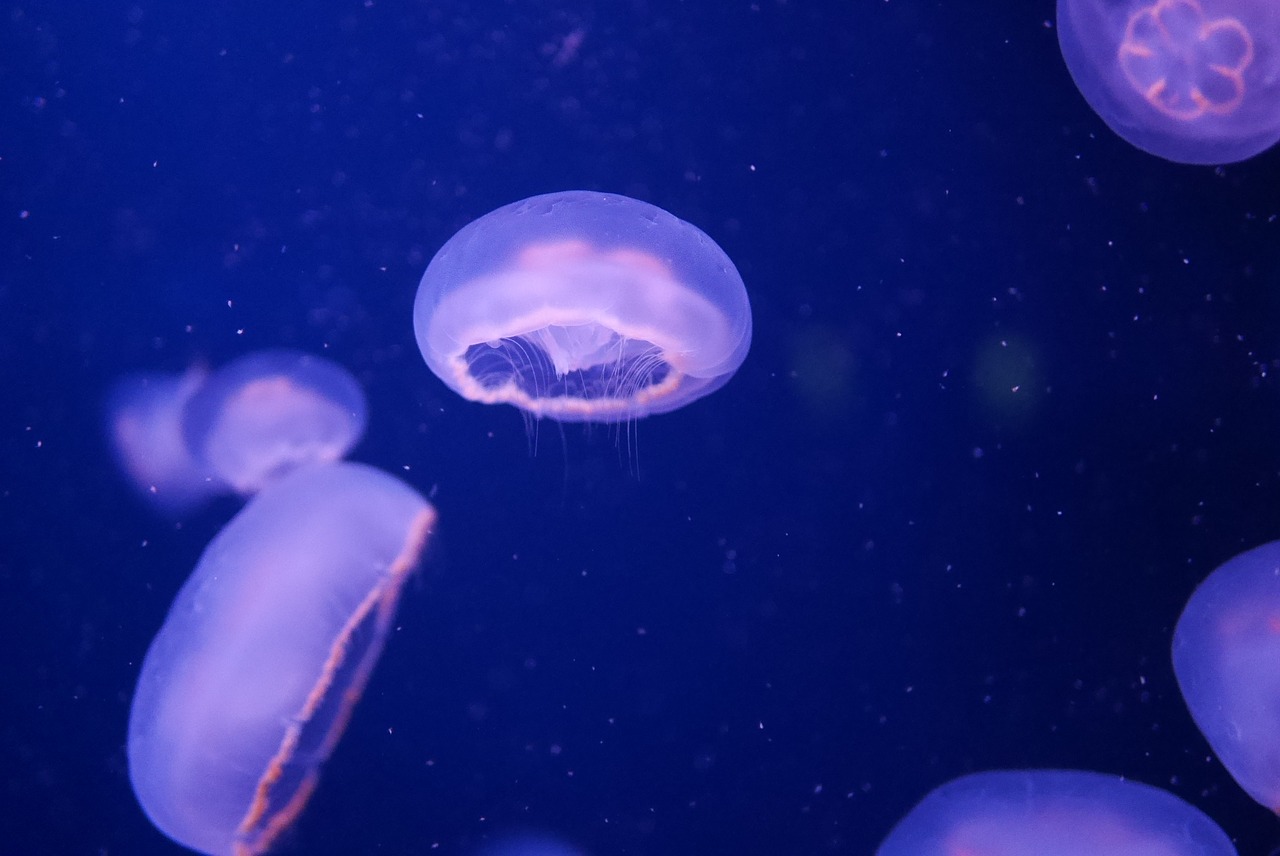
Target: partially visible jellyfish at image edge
183,438
582,307
529,844
1226,656
1191,81
249,684
1053,813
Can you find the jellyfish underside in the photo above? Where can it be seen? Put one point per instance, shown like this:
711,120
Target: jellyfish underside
587,362
1183,64
607,337
1191,81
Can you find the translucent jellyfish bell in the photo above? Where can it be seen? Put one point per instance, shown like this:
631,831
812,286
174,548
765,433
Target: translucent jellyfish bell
249,684
144,423
1053,813
529,844
1226,655
1191,81
582,307
269,412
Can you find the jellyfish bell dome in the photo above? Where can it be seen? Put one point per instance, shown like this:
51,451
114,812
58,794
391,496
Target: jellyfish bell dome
582,307
1190,81
270,412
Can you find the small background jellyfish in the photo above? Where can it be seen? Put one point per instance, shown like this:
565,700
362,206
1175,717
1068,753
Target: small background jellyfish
144,415
529,844
182,439
269,412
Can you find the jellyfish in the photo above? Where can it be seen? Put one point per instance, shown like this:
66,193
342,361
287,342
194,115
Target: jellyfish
1191,81
270,411
1053,813
529,844
248,685
1226,656
144,425
582,307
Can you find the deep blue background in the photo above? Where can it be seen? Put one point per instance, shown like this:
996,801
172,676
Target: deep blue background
778,617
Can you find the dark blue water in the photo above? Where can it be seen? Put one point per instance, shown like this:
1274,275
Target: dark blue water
1011,396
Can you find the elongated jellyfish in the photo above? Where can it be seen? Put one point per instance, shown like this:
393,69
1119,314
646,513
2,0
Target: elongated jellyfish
248,685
